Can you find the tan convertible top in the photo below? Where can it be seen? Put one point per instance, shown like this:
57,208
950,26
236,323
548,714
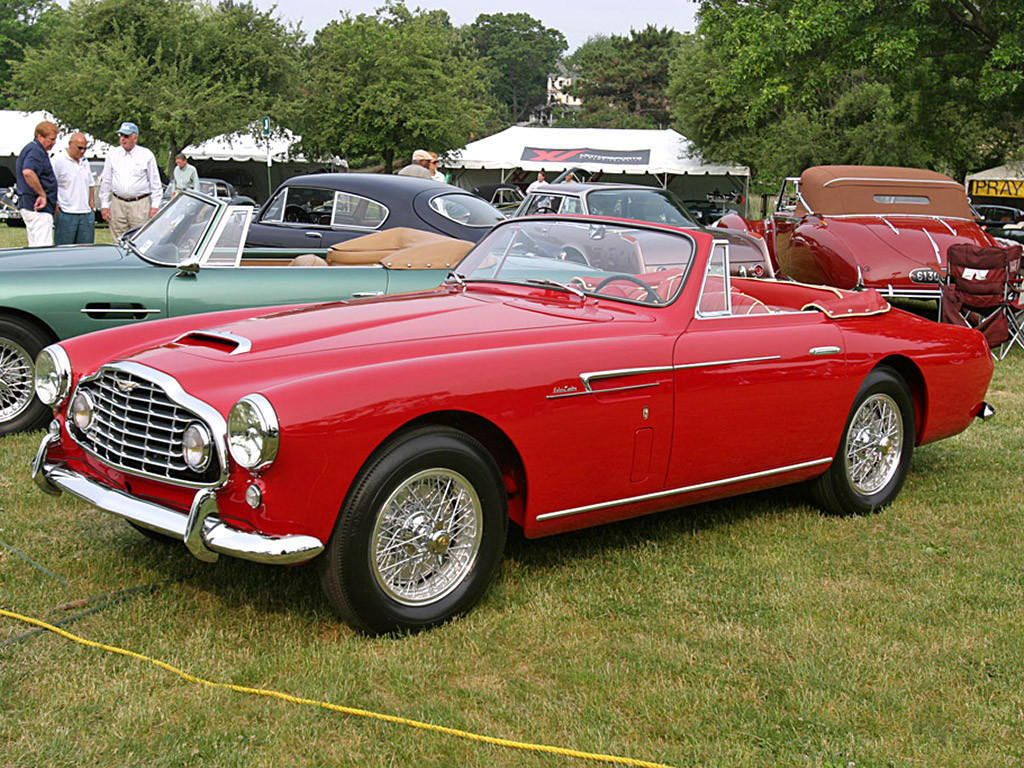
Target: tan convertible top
879,190
401,248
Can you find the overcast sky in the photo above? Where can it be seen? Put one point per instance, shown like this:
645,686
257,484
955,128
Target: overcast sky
576,19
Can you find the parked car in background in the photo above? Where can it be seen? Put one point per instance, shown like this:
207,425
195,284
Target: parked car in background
318,210
998,216
857,227
392,440
187,259
639,203
9,207
505,197
221,190
707,212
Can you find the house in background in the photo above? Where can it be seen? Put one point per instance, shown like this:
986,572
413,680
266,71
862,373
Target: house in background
559,102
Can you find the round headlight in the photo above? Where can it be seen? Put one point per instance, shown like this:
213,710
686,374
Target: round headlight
197,446
81,411
53,375
253,433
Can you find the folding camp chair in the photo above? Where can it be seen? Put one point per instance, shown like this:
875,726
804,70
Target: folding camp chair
981,289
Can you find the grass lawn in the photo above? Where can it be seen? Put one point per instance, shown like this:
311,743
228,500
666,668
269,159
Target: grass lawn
15,237
748,632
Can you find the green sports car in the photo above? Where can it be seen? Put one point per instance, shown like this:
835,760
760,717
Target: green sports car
189,258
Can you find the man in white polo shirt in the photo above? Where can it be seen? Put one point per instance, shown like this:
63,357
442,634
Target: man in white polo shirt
130,186
75,221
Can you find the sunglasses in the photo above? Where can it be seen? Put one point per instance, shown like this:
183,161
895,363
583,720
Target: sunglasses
82,147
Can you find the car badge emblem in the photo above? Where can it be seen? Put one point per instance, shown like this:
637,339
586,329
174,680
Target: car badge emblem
125,385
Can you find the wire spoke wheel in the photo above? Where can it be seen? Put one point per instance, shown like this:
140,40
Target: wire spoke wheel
874,451
420,534
426,537
874,444
16,379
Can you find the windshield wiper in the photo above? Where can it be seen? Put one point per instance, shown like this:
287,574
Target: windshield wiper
564,286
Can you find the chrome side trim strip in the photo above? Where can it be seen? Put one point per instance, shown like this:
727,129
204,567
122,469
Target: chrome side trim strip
714,363
591,376
678,491
898,180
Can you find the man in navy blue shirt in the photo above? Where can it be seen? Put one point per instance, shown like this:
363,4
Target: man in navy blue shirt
37,185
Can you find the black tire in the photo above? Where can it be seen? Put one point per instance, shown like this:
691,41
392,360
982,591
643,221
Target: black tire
875,451
20,409
421,583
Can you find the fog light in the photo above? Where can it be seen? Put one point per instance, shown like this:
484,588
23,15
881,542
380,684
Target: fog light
196,446
81,411
253,496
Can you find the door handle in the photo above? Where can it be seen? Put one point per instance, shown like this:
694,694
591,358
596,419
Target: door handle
316,235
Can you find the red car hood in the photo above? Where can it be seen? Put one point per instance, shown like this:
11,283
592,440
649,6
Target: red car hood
416,321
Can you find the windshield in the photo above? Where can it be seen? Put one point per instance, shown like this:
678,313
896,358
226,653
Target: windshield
654,205
616,262
177,230
466,209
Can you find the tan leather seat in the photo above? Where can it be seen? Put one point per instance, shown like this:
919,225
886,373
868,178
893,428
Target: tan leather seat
308,260
401,248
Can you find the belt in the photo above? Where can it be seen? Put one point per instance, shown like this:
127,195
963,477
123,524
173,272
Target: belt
130,199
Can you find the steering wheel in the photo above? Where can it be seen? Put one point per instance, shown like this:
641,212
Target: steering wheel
651,294
573,254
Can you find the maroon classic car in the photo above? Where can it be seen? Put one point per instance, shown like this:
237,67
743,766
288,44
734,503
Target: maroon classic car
863,226
392,439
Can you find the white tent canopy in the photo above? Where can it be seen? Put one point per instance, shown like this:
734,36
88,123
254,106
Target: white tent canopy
244,147
659,153
18,128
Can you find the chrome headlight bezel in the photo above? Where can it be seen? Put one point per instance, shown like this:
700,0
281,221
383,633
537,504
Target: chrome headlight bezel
253,431
52,379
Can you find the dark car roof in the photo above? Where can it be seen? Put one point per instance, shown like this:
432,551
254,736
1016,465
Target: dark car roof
371,183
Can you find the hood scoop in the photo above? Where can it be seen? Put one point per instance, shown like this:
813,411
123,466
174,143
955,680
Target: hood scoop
223,341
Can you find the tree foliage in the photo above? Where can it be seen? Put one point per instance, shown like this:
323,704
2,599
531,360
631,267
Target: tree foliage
782,84
23,23
184,71
518,52
387,84
623,80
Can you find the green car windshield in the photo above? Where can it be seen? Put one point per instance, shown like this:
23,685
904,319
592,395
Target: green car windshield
177,231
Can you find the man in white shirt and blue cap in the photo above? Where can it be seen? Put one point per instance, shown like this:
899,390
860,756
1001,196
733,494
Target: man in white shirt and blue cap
130,187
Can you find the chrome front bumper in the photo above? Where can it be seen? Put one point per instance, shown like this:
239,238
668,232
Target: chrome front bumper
202,531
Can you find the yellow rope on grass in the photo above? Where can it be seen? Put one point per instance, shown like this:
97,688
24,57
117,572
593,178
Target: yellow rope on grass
522,745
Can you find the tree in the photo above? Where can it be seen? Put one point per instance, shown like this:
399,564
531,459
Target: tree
184,71
387,84
518,52
782,84
22,23
623,81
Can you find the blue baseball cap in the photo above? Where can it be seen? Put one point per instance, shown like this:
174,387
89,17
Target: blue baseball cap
127,129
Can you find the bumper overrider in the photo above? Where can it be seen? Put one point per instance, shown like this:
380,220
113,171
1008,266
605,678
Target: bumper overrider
203,532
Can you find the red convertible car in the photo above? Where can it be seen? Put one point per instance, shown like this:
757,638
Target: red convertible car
392,439
862,226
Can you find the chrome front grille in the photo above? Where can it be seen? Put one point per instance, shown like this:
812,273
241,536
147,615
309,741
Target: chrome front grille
137,427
